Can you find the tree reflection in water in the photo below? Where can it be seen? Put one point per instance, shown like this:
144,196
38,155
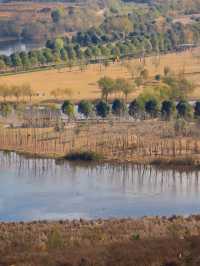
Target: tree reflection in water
34,188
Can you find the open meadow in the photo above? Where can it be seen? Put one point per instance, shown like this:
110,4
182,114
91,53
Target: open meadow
82,84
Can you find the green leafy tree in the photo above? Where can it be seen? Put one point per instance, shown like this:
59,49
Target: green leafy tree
183,109
68,108
85,108
59,44
151,107
106,86
48,55
71,53
118,107
6,109
167,109
128,89
197,109
102,109
88,53
16,60
134,108
56,15
2,64
63,54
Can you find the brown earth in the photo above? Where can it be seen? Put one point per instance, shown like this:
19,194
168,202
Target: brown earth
148,241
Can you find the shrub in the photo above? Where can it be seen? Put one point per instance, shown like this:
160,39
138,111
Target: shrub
158,77
55,240
135,237
85,108
183,109
151,107
118,107
83,156
197,109
68,108
102,109
167,109
6,109
134,108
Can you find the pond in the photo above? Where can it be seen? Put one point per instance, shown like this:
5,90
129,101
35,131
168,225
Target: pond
36,189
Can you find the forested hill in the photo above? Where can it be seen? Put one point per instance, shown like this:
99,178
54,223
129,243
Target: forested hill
94,29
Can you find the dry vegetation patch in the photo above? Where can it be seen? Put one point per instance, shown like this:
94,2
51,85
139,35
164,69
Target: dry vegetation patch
148,241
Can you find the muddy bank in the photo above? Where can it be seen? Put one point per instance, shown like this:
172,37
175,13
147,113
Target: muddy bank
182,163
151,241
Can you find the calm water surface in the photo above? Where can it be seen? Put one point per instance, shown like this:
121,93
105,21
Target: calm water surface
33,189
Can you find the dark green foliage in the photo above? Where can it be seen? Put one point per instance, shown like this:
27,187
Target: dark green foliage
197,109
158,77
5,109
68,108
85,108
167,109
118,107
135,237
102,109
106,86
151,107
183,109
134,108
56,15
83,156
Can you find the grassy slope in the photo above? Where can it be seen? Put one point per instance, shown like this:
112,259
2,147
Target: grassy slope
83,85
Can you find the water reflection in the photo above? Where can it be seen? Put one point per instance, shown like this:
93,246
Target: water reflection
44,188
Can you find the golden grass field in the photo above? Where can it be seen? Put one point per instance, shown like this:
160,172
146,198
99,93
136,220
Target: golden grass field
83,85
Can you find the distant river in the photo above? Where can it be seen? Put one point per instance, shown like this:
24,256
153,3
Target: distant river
9,47
32,189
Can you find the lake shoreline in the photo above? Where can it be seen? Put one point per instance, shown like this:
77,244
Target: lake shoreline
181,163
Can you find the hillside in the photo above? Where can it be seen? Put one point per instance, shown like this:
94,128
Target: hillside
44,19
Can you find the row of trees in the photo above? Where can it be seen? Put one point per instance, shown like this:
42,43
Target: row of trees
150,109
109,86
22,91
71,54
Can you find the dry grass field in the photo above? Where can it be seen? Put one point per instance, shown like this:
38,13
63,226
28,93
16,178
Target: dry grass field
83,84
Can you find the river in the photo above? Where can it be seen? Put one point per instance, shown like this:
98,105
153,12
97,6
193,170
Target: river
35,189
